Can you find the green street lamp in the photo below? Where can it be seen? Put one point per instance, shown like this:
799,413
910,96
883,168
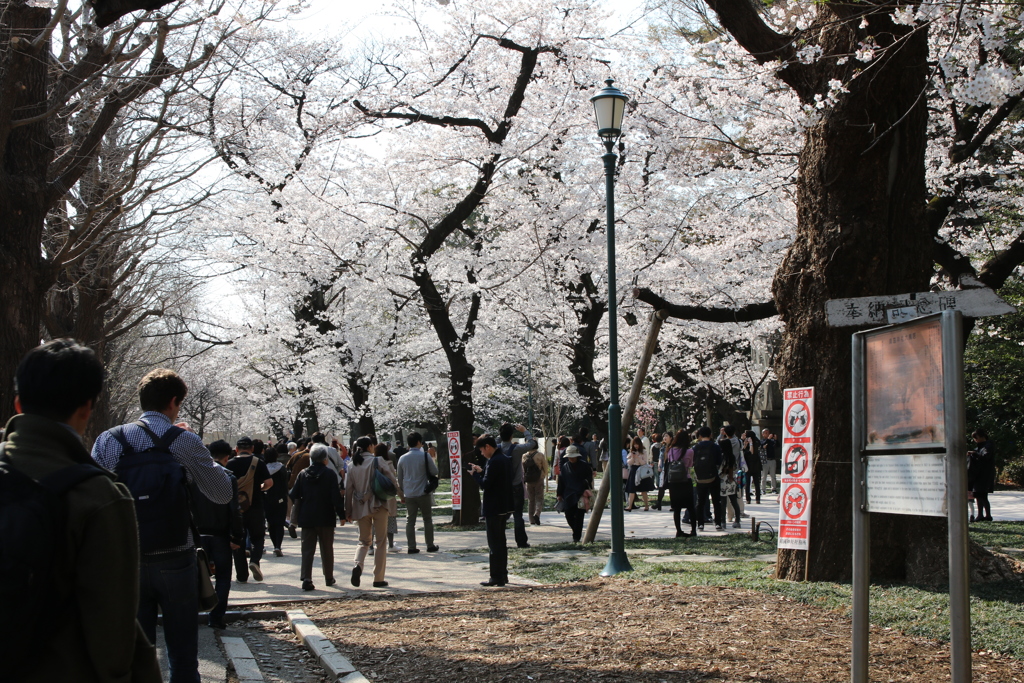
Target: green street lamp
610,106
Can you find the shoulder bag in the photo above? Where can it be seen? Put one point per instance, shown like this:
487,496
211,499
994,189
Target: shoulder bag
431,479
383,488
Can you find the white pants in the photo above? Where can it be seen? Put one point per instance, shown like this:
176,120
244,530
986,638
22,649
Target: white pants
769,469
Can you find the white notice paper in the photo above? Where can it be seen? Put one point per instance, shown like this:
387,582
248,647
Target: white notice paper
907,484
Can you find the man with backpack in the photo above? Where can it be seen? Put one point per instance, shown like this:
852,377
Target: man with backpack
69,564
253,478
535,474
707,461
156,459
417,479
514,452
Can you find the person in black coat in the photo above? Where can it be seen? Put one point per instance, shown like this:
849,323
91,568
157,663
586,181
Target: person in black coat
275,498
221,532
574,485
495,481
983,473
321,504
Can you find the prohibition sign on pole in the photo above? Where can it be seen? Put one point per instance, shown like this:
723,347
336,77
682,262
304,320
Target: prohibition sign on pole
456,487
795,461
794,501
456,467
798,418
453,444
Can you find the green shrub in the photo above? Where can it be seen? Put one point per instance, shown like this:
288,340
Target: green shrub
1013,472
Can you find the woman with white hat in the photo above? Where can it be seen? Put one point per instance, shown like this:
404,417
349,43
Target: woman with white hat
573,491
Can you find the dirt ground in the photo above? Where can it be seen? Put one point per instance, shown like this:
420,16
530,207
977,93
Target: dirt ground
659,633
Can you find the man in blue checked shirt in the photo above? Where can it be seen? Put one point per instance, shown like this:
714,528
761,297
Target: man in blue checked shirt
168,573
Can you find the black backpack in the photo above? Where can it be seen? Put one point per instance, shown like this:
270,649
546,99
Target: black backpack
158,483
531,470
33,517
704,462
676,471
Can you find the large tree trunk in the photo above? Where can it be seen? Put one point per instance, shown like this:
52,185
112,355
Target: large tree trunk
582,357
861,231
27,152
461,372
357,386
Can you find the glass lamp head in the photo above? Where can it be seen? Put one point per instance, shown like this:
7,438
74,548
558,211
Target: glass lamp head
609,107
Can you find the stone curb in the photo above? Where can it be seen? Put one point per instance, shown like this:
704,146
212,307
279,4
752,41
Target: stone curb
336,664
246,668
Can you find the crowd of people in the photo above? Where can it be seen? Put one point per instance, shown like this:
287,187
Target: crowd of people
141,517
152,507
708,481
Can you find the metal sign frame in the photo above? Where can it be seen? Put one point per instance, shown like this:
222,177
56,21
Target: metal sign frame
955,448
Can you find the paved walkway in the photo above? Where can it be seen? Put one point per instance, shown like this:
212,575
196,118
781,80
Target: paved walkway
441,571
445,571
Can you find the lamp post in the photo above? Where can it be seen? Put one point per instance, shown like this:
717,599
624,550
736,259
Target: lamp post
529,374
609,106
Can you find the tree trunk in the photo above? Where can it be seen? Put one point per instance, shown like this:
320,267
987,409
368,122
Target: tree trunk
27,153
357,386
861,230
581,365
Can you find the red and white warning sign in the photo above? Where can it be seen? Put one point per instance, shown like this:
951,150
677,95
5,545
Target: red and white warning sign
797,446
455,460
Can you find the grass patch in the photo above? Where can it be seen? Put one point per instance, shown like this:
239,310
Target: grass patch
998,534
997,609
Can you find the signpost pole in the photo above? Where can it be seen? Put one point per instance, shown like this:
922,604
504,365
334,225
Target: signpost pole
956,478
861,519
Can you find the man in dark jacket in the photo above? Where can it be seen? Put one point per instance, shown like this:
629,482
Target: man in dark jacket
514,452
320,504
496,483
93,634
221,530
253,477
982,467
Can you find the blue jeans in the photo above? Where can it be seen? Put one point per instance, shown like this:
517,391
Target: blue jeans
170,584
218,549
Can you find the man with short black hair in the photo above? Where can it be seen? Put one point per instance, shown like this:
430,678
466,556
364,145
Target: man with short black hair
495,482
221,530
85,628
771,462
168,578
253,478
707,463
414,468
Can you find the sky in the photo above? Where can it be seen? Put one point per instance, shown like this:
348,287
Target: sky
375,17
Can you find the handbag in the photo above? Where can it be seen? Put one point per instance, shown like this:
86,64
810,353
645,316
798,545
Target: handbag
383,488
560,506
204,582
431,479
207,595
643,472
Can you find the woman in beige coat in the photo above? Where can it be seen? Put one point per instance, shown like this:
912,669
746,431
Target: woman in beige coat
370,513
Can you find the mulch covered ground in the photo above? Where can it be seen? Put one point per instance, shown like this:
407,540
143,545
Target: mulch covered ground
620,630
